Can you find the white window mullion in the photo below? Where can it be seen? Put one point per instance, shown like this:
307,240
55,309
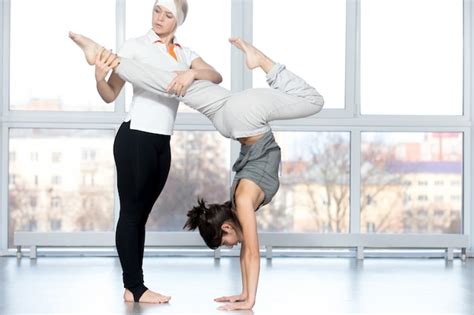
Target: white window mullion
5,56
467,185
241,77
352,81
120,20
242,26
4,89
70,117
468,111
355,183
4,188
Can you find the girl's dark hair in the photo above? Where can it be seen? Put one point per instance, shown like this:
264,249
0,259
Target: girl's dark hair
209,220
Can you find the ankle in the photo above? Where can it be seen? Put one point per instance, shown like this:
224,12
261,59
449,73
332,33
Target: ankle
266,65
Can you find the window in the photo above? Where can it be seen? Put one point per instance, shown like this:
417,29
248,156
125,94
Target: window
34,156
402,59
387,173
12,157
55,224
12,179
422,198
59,187
316,51
200,168
33,201
55,202
59,132
88,179
455,198
56,157
88,154
46,82
56,180
314,183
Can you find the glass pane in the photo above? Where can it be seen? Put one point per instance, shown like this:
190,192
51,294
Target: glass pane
412,57
314,184
60,180
309,38
215,49
48,72
199,167
411,182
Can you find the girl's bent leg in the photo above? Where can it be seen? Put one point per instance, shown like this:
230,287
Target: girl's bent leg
292,97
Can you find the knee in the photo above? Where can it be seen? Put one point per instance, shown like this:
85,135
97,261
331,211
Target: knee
318,101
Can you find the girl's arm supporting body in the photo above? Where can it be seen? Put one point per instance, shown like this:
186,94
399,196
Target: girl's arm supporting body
244,295
248,196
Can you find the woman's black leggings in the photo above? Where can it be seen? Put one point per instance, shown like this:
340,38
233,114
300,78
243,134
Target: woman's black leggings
143,161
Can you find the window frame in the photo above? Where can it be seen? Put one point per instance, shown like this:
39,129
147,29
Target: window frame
348,119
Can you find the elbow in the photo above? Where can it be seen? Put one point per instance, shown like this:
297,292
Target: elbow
319,103
109,100
218,79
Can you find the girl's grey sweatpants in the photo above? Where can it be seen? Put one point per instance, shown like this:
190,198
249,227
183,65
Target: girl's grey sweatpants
241,114
235,115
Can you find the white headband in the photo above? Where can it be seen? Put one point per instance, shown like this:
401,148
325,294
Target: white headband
171,6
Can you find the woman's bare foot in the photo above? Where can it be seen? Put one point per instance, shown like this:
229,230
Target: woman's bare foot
147,297
87,45
253,57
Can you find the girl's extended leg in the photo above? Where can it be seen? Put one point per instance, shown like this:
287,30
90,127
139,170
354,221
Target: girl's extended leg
204,96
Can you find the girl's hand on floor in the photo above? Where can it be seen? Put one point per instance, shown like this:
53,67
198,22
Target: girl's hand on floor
236,306
232,298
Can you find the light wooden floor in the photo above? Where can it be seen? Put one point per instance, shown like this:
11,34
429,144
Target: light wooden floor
53,285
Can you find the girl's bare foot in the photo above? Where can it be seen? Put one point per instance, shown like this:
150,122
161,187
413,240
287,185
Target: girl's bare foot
87,45
253,57
147,297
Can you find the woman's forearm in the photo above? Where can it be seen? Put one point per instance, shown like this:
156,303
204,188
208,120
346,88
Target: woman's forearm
105,91
109,90
207,74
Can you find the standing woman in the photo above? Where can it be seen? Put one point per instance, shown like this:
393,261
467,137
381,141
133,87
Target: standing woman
142,145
